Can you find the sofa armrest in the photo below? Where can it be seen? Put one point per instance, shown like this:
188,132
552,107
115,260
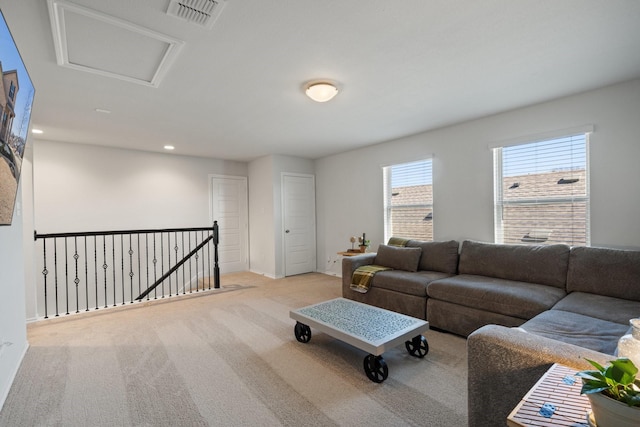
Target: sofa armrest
504,363
350,264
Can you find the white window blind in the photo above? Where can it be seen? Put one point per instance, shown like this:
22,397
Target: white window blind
408,200
542,192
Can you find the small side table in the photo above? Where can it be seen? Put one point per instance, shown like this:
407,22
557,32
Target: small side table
554,401
347,253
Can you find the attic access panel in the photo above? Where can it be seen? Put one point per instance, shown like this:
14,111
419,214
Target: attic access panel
88,40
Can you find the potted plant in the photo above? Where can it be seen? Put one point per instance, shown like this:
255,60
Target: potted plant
614,393
364,243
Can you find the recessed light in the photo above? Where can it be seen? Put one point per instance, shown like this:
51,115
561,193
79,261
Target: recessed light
103,111
38,131
169,147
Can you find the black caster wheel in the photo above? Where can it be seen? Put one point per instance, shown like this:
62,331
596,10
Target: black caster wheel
302,331
376,368
417,347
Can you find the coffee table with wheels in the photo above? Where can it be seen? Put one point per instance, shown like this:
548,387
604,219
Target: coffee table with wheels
366,327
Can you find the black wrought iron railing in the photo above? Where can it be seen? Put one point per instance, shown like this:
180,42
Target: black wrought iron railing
93,270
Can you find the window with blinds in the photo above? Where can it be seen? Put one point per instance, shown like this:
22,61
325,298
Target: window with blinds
542,192
408,200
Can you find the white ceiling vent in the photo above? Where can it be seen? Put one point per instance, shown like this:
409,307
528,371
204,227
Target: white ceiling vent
201,12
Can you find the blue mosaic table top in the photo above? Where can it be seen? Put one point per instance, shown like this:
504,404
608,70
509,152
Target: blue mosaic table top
360,320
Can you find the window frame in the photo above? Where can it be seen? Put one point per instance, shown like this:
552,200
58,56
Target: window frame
499,202
388,194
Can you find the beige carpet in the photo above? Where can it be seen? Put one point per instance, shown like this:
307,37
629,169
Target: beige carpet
226,358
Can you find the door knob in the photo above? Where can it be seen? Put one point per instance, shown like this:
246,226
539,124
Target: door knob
286,231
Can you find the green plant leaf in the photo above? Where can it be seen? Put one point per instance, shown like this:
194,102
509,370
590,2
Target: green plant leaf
593,388
591,375
623,371
595,364
631,399
616,380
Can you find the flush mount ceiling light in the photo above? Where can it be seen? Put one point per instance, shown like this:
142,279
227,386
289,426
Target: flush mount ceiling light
321,91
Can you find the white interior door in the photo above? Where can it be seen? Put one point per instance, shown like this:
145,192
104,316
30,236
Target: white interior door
299,222
229,207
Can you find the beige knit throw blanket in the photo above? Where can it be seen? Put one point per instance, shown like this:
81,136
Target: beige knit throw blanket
362,277
397,241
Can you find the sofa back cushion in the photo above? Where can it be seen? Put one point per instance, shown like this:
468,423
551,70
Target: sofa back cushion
398,258
545,265
437,256
608,272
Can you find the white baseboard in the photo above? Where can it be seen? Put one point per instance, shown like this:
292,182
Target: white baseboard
270,276
5,392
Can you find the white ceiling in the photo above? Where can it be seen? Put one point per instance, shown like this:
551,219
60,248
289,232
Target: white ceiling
235,91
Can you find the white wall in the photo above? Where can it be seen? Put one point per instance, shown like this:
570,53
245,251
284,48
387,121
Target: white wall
84,188
265,211
26,180
349,185
12,299
261,217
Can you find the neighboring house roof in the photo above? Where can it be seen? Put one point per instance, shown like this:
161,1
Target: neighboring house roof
566,222
412,195
412,212
545,185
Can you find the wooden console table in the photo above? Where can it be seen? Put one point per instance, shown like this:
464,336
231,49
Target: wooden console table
347,253
554,401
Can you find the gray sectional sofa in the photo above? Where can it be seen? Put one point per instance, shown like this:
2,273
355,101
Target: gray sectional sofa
523,308
403,289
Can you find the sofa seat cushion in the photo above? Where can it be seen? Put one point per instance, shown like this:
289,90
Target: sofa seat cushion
406,282
577,329
518,299
601,307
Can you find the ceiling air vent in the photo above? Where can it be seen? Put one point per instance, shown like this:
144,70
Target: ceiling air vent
201,12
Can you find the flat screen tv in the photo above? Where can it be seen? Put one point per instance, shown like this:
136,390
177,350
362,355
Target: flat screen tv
16,99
